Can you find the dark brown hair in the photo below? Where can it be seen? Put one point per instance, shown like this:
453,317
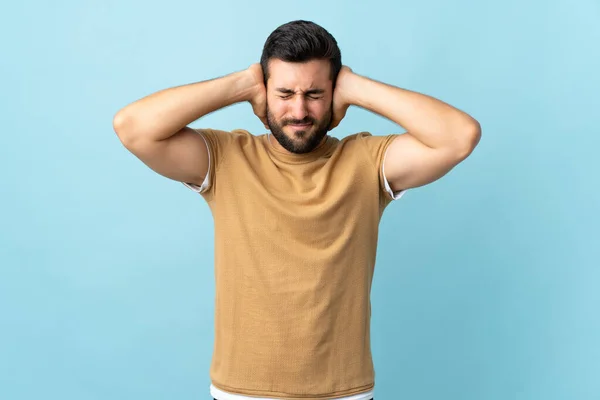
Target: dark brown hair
300,41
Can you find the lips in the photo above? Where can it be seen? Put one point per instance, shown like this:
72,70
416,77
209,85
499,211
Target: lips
300,125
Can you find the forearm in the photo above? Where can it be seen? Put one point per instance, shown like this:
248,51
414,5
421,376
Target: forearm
162,114
431,121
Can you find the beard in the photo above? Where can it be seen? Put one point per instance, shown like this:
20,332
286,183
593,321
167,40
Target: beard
303,140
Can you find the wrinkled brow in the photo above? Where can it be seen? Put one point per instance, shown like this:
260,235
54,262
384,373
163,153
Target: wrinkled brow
309,91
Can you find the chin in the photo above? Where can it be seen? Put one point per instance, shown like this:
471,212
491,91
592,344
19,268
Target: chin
294,137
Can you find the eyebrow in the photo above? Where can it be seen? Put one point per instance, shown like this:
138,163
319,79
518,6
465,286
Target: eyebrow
309,91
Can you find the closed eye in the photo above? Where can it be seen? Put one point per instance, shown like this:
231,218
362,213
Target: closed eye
310,97
313,94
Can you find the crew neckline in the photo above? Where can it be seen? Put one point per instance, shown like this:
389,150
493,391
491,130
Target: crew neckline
292,158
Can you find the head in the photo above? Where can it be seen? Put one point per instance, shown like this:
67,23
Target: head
300,61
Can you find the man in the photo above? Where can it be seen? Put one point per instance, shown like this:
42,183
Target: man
296,211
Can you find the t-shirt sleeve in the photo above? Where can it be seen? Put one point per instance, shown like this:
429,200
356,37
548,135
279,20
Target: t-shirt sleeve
377,147
216,143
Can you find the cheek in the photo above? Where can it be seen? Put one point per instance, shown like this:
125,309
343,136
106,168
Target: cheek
276,109
320,110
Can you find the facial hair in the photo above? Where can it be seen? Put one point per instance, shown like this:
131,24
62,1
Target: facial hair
304,141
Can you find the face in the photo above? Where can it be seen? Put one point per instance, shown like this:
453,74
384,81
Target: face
299,103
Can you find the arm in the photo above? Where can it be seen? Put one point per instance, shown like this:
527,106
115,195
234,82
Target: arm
438,135
154,127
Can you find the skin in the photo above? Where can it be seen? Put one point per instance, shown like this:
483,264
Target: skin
437,138
299,104
438,135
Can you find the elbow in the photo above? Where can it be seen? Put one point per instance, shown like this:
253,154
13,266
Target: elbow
474,134
471,138
122,126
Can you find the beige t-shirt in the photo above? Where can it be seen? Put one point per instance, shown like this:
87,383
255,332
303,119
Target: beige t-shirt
295,246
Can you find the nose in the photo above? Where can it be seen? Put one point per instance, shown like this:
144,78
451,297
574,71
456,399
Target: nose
299,110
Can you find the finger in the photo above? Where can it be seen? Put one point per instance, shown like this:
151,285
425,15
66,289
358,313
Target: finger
257,111
333,125
263,118
335,120
264,121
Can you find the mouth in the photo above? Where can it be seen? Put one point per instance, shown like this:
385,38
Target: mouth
300,125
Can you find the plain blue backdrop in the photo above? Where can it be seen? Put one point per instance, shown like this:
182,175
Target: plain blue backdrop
487,281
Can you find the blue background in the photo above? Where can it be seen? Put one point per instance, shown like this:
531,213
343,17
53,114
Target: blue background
486,285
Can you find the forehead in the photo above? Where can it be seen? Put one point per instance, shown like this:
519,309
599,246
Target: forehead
295,75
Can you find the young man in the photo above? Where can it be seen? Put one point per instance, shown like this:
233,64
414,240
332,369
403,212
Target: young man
296,211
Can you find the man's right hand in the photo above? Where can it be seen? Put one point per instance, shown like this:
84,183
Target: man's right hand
258,98
155,129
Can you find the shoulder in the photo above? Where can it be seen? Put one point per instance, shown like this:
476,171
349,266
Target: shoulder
356,137
372,145
353,141
227,137
367,138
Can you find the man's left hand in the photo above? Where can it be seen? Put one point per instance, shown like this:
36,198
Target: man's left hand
341,102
